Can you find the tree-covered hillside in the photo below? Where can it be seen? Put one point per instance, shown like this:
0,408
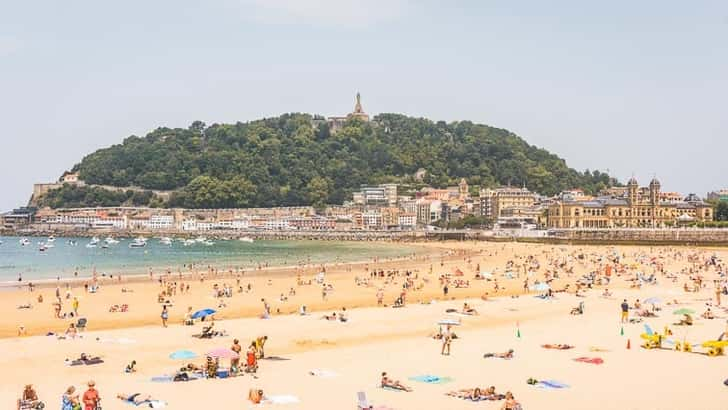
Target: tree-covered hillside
294,159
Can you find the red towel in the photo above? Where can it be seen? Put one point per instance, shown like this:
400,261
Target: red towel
592,360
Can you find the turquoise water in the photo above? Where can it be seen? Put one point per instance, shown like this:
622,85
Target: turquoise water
64,259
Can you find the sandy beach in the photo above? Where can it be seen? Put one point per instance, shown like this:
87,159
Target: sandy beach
349,357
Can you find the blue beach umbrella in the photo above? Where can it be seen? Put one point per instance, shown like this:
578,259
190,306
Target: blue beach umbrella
183,355
203,313
653,301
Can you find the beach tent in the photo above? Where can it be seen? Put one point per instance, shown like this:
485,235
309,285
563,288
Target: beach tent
458,272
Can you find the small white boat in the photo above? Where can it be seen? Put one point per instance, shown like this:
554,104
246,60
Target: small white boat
246,239
201,239
42,248
95,240
104,245
91,245
189,242
208,243
111,241
51,239
138,243
24,242
165,241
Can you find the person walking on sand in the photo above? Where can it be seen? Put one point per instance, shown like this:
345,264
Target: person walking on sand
164,315
446,340
625,311
91,397
74,305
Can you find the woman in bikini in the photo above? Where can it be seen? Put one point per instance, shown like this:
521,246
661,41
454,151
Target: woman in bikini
393,384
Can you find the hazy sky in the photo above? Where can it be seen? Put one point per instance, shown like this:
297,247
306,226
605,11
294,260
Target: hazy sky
630,86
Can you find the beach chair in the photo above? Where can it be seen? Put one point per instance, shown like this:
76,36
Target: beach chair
81,324
363,403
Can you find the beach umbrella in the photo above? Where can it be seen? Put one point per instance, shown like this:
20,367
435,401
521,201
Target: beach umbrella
486,275
449,321
203,313
458,272
541,287
684,311
653,301
222,353
183,355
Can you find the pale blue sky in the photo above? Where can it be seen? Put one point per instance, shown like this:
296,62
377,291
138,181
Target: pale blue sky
630,86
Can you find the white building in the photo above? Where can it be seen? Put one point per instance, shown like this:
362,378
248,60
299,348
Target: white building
407,220
160,222
372,219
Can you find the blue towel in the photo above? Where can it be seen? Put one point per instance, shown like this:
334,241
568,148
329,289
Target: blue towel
430,379
552,384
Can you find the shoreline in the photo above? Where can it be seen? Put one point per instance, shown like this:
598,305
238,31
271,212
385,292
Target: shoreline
130,278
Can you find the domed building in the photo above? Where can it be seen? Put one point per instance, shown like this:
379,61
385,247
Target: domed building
637,208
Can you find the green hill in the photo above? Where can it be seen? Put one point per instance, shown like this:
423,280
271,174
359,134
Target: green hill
294,159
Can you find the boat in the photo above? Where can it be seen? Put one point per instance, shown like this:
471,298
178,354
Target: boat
165,241
189,242
51,239
42,248
91,245
95,240
138,243
208,243
111,241
24,242
72,242
246,239
200,239
104,245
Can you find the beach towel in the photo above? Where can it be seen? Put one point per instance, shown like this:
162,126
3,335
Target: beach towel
597,349
281,399
322,373
430,379
592,360
154,404
551,384
274,358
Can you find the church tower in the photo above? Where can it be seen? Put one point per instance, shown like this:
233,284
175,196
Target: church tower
358,110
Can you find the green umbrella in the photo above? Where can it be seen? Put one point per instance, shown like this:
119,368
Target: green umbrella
684,311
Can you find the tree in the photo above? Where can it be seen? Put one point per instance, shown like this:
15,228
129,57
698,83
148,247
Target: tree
294,160
721,211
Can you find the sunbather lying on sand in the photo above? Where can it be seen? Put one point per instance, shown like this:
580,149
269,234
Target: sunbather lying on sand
476,394
505,355
687,320
467,310
135,399
558,346
708,314
393,384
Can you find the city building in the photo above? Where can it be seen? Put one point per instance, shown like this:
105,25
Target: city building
494,201
720,195
636,210
380,195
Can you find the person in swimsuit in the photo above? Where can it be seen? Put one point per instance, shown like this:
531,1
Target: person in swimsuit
393,384
510,403
135,399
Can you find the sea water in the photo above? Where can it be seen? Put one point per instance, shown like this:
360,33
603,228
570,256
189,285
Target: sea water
71,256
